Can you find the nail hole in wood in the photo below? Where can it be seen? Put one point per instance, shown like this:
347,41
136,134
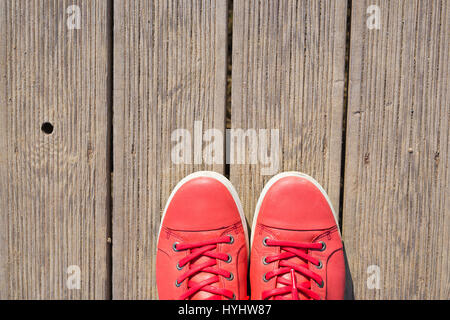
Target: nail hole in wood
47,128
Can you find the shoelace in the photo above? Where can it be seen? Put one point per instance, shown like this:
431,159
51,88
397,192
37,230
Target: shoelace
290,250
204,248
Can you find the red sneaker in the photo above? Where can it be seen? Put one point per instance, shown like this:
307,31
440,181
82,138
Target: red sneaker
297,251
203,241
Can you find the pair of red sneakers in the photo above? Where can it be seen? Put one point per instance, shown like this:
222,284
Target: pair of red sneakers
203,248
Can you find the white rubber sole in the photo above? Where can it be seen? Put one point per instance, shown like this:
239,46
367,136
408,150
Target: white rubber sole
221,179
279,176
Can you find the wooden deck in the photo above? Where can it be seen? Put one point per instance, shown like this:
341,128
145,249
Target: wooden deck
362,107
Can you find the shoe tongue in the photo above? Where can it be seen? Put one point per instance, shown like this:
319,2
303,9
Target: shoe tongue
299,278
202,276
301,237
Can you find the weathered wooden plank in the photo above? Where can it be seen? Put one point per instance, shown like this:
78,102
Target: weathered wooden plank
54,187
169,71
396,208
288,74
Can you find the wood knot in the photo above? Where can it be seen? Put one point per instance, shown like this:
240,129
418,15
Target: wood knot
366,158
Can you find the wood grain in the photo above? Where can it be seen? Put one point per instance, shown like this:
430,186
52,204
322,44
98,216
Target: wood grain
169,71
396,208
169,67
54,188
288,74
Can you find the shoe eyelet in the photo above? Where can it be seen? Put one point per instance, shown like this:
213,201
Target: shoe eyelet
265,261
175,247
324,246
234,297
264,278
319,266
264,242
320,285
178,267
229,259
231,239
177,284
231,277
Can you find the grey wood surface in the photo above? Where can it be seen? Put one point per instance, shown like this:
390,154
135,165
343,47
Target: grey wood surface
163,67
288,74
53,188
169,71
396,207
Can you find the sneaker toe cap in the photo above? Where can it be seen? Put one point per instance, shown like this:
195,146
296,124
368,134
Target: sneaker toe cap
201,204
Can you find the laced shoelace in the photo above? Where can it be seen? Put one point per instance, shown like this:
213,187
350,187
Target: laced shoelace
204,249
291,249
